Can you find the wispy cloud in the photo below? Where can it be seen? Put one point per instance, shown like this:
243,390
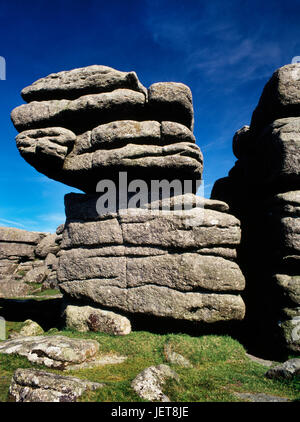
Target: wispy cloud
5,222
215,41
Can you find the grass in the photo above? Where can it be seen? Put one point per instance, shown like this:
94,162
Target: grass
220,368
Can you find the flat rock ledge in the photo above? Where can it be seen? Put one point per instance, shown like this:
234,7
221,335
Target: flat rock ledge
148,384
57,352
32,385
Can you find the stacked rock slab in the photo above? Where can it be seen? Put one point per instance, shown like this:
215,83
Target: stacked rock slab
263,192
86,125
27,257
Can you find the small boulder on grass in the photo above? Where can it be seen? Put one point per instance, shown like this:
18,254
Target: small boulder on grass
31,328
87,318
148,383
286,370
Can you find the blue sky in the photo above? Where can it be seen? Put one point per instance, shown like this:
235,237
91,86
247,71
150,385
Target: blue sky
224,50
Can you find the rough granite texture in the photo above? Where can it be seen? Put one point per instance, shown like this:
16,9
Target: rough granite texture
262,190
85,125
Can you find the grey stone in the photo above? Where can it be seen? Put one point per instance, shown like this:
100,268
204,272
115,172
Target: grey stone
192,229
291,331
124,132
99,360
74,83
80,114
176,358
285,204
60,229
52,351
277,150
287,370
31,328
16,250
171,101
290,286
81,264
242,142
92,233
182,271
10,288
47,245
87,318
185,272
159,301
149,383
56,135
32,385
259,360
172,130
261,397
280,97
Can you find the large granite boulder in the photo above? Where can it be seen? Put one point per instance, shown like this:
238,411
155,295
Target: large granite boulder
57,352
27,259
93,122
171,254
262,190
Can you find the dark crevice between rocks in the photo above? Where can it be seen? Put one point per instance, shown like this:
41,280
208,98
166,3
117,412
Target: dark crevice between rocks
47,313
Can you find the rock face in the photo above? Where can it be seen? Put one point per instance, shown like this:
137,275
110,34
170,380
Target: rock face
262,190
25,258
56,352
171,254
148,384
287,370
32,385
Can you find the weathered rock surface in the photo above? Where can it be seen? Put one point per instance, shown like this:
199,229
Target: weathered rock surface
146,262
280,97
287,370
176,358
262,190
31,328
173,101
27,258
32,385
83,81
149,383
52,351
86,318
95,123
159,301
